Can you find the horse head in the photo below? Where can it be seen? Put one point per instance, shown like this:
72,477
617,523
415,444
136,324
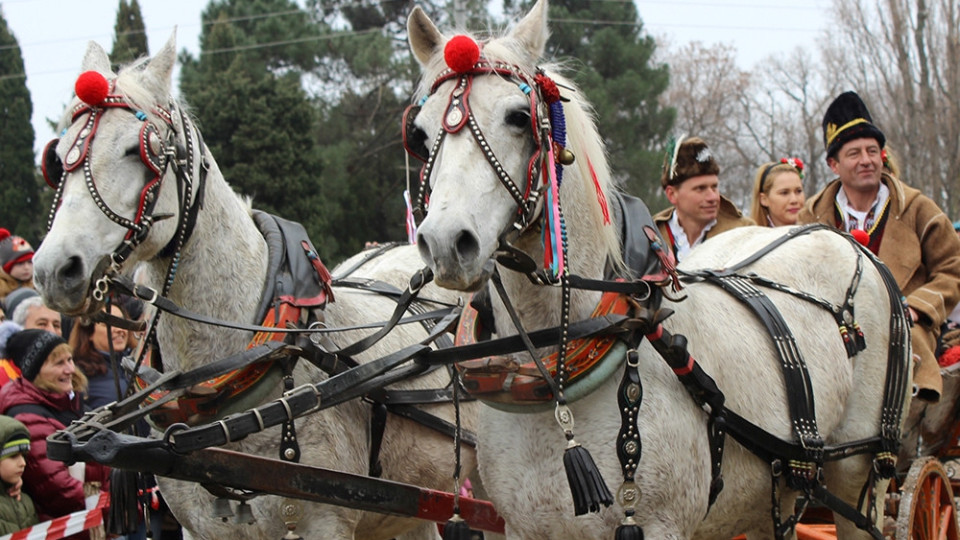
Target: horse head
121,140
490,127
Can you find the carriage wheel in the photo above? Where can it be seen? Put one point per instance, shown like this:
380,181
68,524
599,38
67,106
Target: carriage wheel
927,509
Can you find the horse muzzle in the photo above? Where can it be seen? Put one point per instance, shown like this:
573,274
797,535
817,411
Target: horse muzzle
454,257
64,284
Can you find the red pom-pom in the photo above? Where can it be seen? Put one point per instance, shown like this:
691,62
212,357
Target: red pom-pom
861,236
92,88
461,53
950,356
4,234
551,94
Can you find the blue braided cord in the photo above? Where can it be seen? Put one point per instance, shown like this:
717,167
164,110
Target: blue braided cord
555,235
558,128
525,88
422,101
142,116
63,132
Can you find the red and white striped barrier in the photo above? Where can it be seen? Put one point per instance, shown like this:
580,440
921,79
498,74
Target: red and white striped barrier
64,526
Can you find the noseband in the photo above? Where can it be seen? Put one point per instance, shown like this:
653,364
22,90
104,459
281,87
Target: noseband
157,153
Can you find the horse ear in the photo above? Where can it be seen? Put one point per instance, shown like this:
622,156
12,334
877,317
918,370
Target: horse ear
532,31
161,65
96,59
423,35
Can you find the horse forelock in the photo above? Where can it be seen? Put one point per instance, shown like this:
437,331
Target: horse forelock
145,93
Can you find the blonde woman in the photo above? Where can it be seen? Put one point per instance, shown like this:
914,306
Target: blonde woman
778,193
46,399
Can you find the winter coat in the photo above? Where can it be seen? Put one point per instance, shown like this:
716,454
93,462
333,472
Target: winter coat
728,217
48,481
921,249
16,515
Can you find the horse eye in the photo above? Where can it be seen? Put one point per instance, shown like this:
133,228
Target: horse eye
132,151
518,119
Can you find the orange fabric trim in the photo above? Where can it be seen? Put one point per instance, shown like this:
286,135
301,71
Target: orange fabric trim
498,374
8,371
205,399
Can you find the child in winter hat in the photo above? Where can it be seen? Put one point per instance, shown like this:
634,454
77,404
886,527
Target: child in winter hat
17,511
14,252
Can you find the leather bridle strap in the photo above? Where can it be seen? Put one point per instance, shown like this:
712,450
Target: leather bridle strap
458,114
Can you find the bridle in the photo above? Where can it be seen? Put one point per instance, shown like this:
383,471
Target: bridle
158,153
545,124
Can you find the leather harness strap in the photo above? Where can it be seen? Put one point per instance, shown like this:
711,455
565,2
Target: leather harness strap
757,440
796,377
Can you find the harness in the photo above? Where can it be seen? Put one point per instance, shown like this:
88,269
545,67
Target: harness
800,460
296,280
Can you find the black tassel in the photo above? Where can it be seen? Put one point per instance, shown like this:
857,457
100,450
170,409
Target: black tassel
628,529
123,516
586,484
861,341
456,529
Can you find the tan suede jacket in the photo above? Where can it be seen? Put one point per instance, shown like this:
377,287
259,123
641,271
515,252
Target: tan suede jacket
729,217
919,246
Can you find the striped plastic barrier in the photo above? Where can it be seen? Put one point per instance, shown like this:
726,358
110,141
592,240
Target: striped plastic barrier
64,526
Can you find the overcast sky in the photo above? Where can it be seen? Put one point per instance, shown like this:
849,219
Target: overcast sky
53,34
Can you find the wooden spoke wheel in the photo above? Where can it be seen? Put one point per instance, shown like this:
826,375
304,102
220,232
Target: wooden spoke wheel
927,509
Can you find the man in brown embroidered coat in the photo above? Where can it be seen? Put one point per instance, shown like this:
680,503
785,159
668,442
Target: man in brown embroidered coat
906,229
691,182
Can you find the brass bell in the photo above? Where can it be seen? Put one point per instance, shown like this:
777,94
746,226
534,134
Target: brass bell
222,509
566,157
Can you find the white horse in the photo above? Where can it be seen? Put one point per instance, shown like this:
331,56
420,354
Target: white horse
222,267
468,210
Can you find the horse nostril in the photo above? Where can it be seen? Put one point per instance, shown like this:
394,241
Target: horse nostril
423,246
71,269
468,248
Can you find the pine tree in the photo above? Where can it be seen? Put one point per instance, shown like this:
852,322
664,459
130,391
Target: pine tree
246,91
20,207
129,35
369,77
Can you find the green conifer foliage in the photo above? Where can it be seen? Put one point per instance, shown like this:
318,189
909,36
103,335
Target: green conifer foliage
20,209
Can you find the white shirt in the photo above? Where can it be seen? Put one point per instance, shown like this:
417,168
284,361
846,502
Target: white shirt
680,241
861,216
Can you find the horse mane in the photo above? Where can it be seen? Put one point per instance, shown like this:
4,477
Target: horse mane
583,138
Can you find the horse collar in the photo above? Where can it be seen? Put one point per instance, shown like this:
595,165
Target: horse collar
502,380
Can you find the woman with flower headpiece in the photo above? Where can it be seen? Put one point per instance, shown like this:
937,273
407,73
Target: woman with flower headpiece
778,193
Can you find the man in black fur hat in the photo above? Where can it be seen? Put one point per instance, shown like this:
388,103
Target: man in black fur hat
691,182
906,229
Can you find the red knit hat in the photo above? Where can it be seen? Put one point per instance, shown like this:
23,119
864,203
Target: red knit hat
13,250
